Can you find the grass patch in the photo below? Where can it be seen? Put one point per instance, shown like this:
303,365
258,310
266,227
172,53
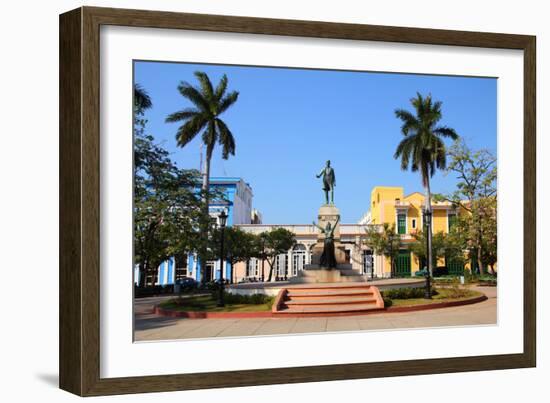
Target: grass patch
233,303
443,295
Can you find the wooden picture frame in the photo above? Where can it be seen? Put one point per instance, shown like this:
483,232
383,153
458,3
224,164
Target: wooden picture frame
79,200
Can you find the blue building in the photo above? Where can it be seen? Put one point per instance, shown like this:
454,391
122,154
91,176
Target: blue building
238,206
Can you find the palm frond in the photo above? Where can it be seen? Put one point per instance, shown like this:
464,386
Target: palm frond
404,150
440,155
182,115
142,100
210,135
227,101
226,139
446,132
410,122
189,130
193,95
206,85
221,87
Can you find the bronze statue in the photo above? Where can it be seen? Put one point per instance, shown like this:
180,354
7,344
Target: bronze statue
328,258
329,181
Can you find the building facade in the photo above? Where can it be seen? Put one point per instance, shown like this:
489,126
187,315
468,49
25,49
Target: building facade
387,205
237,203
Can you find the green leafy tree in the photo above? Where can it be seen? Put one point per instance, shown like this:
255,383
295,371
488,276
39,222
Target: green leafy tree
423,148
239,246
203,118
476,197
384,240
444,246
166,209
272,243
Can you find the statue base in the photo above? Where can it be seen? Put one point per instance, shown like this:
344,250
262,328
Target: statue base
315,274
329,213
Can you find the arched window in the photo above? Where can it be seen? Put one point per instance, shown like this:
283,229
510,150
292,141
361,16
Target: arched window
298,258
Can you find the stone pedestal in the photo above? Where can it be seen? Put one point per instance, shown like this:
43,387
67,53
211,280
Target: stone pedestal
328,213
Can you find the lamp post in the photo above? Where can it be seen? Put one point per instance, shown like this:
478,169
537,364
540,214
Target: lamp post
223,219
428,227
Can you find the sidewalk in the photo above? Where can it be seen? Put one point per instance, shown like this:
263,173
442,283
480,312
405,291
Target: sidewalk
152,327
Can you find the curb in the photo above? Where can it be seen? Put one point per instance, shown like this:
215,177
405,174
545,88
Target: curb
268,314
436,305
210,315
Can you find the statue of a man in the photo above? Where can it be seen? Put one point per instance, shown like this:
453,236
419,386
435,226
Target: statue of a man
328,258
329,181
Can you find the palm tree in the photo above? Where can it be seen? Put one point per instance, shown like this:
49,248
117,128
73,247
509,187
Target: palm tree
204,117
423,147
142,100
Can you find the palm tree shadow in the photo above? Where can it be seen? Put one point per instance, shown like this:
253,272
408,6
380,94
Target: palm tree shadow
49,379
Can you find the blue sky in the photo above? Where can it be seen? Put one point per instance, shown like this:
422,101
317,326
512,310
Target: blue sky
288,122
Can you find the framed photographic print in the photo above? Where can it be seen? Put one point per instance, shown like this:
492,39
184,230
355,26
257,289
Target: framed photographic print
248,201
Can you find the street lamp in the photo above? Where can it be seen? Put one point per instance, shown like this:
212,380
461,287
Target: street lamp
223,220
428,228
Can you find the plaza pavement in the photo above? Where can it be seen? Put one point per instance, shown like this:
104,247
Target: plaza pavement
149,327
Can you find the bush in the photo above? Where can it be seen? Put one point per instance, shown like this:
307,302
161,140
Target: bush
486,279
406,293
387,302
457,292
254,299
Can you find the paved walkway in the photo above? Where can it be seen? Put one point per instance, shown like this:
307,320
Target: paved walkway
153,327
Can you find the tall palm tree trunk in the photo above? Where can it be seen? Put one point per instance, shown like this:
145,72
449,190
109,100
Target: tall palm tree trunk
205,213
429,230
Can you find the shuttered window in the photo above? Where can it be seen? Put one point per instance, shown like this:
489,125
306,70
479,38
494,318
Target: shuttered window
401,223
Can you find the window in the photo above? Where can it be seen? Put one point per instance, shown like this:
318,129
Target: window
367,262
413,223
348,255
401,223
280,265
252,269
181,265
298,258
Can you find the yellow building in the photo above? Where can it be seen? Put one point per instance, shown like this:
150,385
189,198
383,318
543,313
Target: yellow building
389,205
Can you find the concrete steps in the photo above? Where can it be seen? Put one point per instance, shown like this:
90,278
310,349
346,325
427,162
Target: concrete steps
340,275
328,300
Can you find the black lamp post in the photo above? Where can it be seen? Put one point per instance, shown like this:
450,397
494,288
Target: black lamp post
428,228
223,220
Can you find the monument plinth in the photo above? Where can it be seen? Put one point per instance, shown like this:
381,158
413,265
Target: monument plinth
328,214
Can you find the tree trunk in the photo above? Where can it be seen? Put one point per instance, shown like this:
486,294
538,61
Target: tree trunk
270,270
205,213
429,229
142,275
479,260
